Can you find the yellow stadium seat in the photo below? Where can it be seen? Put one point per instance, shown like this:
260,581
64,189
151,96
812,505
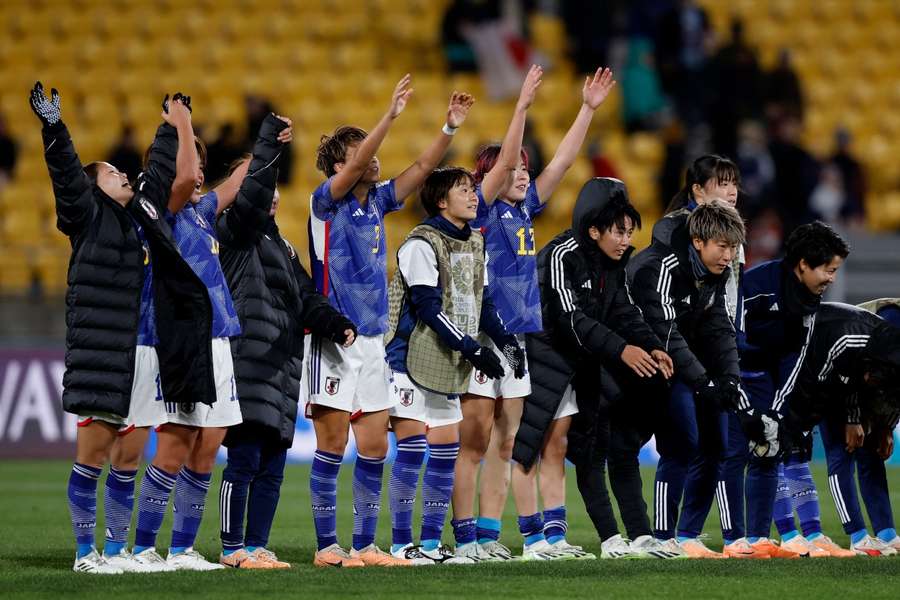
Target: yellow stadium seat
16,275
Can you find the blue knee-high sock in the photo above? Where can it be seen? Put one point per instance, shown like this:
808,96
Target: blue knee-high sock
532,528
402,487
156,486
804,498
487,530
367,475
783,509
118,504
83,505
190,502
437,489
555,525
323,496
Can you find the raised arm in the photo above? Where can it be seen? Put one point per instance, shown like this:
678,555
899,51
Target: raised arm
594,92
350,172
71,187
227,191
511,147
244,222
409,180
187,164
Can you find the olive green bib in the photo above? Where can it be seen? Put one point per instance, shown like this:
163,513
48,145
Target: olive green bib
873,306
429,362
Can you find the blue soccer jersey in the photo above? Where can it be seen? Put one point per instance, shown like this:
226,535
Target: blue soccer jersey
195,234
509,240
348,253
146,335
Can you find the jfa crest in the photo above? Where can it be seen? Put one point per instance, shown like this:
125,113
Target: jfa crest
332,384
480,377
406,396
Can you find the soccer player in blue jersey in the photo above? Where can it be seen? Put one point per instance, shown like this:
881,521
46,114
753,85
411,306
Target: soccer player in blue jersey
195,319
112,372
508,200
349,265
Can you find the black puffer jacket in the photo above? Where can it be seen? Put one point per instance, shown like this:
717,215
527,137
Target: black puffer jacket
181,300
688,315
106,273
274,297
588,319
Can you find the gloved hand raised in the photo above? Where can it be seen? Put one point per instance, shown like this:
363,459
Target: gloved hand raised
46,110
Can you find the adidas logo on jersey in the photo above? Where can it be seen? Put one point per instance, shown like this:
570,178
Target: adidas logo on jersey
507,215
359,213
774,308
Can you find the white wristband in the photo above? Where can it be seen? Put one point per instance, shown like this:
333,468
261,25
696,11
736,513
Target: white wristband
449,130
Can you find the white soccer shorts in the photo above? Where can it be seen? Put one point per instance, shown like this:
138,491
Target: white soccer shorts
412,402
226,410
505,387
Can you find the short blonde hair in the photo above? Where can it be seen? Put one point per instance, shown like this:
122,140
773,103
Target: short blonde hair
717,221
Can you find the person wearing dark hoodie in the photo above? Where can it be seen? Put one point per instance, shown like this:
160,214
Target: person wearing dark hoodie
439,301
848,383
781,298
112,372
594,344
276,301
680,288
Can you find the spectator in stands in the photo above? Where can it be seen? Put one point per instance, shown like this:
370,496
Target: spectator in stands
796,173
603,166
674,163
827,200
457,52
642,98
226,149
125,154
756,166
9,151
739,85
588,28
531,143
257,110
854,179
783,95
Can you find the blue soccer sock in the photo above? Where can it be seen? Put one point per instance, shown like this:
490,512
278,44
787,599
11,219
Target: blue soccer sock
555,525
83,505
487,530
804,497
437,489
402,486
367,475
463,531
190,501
118,504
789,535
156,486
532,528
857,536
323,496
887,535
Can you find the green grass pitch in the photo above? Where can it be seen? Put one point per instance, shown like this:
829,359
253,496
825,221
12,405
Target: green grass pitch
36,550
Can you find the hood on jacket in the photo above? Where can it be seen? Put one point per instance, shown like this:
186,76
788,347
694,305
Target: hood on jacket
594,195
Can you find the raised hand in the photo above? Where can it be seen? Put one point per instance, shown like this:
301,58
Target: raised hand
401,95
46,110
460,103
529,87
287,134
175,111
597,88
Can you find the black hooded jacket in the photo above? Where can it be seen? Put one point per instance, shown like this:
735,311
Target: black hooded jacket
588,318
274,298
688,315
105,277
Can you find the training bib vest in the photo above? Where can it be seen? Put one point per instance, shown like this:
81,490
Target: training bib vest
429,362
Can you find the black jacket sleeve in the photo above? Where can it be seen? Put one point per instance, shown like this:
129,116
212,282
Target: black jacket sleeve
719,339
490,322
154,184
569,320
628,320
317,314
72,190
659,312
242,225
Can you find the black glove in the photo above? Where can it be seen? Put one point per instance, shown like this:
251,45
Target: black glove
46,110
752,425
335,328
515,356
707,394
729,389
485,360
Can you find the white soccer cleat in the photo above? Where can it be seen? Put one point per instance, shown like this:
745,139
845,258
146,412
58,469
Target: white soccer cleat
576,552
647,546
444,555
496,551
191,560
616,547
894,543
151,559
414,554
95,564
472,552
542,551
126,561
872,546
